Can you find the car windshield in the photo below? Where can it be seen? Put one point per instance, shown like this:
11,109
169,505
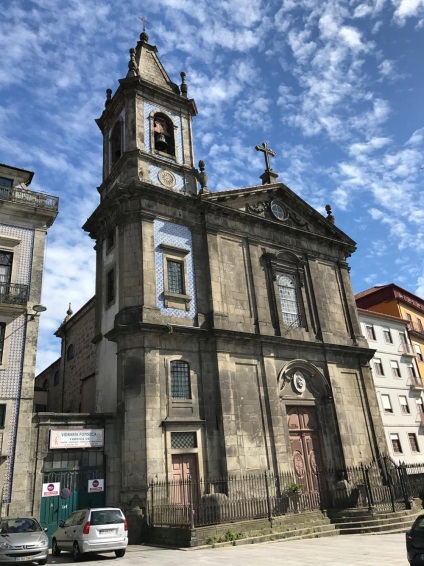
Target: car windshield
19,525
106,517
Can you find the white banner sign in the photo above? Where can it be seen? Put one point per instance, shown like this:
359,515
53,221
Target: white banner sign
51,489
78,438
95,485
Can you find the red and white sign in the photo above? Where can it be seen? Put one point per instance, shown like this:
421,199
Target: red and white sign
51,489
96,485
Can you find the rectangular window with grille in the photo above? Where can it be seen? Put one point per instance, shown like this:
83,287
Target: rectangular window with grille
2,415
413,442
181,440
110,286
180,380
289,300
397,448
175,277
2,335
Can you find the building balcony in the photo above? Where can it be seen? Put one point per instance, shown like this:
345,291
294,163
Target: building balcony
30,198
13,293
416,328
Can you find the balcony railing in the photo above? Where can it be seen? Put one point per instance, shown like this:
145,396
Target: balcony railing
420,418
13,293
415,383
28,197
415,327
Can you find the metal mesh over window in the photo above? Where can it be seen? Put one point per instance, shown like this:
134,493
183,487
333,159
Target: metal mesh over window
175,277
287,287
183,440
180,380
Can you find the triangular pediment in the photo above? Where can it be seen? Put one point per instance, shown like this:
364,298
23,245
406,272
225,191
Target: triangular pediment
280,205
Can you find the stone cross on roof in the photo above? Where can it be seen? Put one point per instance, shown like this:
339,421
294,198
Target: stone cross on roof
267,151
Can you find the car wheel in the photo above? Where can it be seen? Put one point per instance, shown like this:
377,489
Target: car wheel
120,553
55,548
76,553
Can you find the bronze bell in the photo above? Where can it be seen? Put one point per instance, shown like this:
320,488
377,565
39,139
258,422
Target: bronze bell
160,142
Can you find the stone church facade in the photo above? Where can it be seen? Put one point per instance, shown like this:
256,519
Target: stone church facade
227,337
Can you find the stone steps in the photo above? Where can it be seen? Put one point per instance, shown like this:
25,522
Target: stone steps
375,524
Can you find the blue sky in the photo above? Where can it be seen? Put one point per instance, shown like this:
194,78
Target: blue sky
336,87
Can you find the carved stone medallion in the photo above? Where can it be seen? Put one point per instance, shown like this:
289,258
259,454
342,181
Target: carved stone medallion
299,382
167,179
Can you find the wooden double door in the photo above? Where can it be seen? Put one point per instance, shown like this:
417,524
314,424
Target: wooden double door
305,445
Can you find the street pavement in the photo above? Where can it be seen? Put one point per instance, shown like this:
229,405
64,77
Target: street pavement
343,550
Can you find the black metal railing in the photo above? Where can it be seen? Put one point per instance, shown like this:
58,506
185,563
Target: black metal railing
13,293
25,196
382,485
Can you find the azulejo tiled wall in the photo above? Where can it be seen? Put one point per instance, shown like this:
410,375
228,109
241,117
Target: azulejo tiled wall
179,179
180,237
11,375
148,109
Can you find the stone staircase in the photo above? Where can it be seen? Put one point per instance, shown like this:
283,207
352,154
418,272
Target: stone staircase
362,521
312,524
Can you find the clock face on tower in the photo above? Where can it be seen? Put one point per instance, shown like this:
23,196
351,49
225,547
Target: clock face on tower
278,210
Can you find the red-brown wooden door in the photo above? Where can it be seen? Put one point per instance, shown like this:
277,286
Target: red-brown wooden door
184,478
304,440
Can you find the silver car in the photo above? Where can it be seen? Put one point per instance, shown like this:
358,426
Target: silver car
22,540
103,529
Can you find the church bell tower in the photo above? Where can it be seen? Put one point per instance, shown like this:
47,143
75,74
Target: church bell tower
146,127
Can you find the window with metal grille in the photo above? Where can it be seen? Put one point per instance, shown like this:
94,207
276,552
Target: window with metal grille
290,309
175,277
2,333
395,368
2,415
397,448
183,440
413,442
180,380
6,260
378,366
4,182
404,407
110,286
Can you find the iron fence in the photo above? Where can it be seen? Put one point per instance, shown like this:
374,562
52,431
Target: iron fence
383,485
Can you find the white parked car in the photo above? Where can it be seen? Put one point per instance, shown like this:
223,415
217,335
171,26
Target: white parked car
103,529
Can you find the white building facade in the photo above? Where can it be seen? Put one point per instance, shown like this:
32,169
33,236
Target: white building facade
398,385
25,216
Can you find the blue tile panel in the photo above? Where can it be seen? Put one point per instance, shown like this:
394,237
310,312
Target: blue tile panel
180,237
176,118
153,174
11,375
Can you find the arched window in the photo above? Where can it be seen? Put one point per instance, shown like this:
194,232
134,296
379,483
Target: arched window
289,299
46,384
180,380
56,378
163,130
70,352
116,142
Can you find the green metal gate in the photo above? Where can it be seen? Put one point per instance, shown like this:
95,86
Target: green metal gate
73,482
